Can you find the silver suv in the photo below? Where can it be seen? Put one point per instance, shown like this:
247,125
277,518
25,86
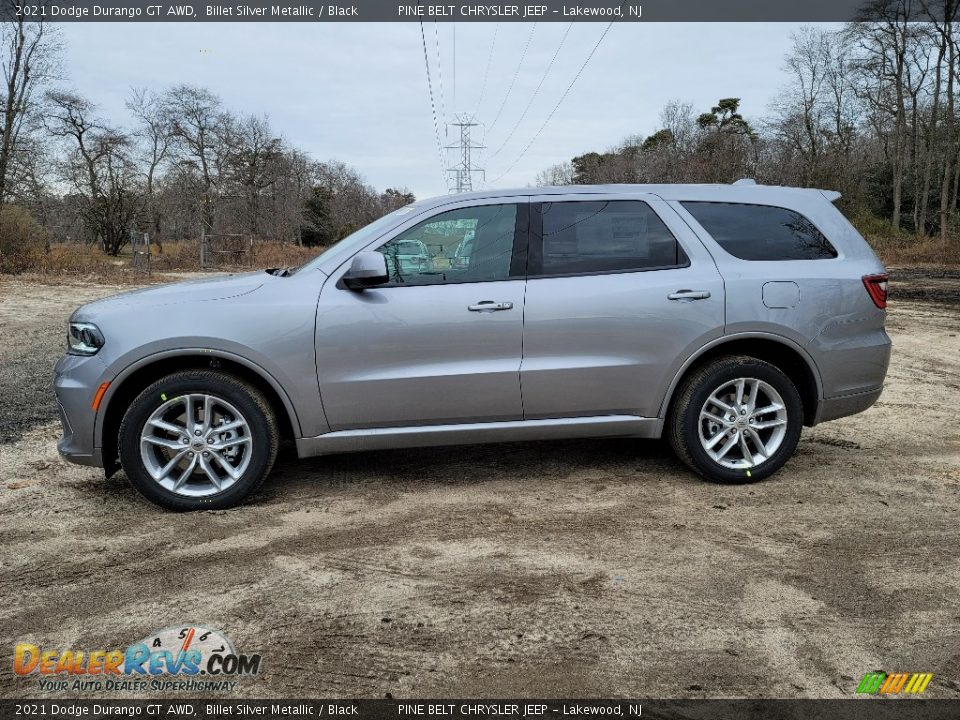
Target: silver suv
724,317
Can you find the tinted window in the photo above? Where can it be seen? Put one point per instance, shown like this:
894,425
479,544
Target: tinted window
465,245
605,236
761,232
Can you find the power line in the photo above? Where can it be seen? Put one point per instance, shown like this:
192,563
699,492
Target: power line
433,105
486,73
534,96
443,97
557,106
515,74
454,66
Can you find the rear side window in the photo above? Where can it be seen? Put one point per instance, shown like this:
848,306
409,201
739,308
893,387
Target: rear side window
761,232
606,236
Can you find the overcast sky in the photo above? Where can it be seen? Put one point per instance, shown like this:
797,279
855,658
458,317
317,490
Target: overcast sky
358,92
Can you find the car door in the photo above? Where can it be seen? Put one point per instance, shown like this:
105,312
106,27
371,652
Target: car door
619,294
441,342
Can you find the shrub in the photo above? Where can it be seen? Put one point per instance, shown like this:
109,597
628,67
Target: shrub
23,242
275,254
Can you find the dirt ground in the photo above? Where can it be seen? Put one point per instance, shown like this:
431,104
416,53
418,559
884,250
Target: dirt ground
570,569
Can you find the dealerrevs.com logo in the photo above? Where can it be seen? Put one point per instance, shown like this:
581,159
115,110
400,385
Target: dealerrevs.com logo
187,657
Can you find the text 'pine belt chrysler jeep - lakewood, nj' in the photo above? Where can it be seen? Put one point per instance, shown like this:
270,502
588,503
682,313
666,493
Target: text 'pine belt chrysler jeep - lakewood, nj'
724,317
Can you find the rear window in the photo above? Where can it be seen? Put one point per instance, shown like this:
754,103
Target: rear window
761,232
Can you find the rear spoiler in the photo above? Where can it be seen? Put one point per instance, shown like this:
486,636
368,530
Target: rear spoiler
831,195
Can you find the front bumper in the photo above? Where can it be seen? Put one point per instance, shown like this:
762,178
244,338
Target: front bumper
75,382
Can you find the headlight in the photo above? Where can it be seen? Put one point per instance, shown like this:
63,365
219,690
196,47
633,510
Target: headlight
83,338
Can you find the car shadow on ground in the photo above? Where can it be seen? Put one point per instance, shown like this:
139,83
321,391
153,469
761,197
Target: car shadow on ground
476,463
294,479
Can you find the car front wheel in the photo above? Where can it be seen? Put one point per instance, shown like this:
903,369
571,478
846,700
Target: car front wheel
198,440
737,419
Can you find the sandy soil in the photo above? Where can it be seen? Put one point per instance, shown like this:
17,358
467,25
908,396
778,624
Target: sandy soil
544,569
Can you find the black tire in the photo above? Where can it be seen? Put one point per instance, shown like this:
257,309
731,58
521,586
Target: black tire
683,430
245,398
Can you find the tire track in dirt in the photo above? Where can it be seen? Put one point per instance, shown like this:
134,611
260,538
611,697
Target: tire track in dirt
552,569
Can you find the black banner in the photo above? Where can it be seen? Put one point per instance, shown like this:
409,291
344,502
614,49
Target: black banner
399,11
860,709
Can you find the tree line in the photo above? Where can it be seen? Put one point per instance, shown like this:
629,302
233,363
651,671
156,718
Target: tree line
870,110
184,166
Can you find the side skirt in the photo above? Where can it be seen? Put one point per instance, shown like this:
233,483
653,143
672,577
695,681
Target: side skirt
344,441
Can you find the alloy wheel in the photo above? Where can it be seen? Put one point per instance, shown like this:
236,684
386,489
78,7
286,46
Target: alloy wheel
196,445
742,423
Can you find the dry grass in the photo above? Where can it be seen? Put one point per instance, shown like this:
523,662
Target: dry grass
910,250
903,248
281,255
85,263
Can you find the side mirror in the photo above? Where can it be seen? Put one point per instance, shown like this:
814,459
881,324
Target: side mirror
366,270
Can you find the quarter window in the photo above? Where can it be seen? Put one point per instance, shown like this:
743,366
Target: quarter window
606,236
464,245
761,232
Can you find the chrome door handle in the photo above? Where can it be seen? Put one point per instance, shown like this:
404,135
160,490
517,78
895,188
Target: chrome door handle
689,295
489,306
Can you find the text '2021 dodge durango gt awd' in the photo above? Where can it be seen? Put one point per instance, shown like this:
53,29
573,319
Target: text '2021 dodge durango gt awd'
724,317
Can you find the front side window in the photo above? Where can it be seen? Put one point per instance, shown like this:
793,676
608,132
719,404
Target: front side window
606,236
465,245
761,232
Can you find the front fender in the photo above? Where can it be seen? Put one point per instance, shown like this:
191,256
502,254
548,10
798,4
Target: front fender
187,350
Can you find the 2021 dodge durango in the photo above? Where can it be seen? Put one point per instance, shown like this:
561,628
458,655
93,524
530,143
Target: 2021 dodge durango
723,317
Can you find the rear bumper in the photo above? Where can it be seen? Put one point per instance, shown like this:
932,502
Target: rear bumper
844,405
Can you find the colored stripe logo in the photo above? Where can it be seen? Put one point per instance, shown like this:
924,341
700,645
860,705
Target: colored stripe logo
880,683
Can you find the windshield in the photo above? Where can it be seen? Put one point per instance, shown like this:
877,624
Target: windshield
368,232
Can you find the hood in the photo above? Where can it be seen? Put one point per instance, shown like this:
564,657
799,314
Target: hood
205,289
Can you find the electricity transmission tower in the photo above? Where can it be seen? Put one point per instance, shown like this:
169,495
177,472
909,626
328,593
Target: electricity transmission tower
463,170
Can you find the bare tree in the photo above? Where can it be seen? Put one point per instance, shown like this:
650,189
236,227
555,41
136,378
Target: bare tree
947,42
351,202
197,121
800,107
99,166
31,54
885,43
154,133
252,161
556,175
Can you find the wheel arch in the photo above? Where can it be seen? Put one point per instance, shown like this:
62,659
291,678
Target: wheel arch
779,351
133,379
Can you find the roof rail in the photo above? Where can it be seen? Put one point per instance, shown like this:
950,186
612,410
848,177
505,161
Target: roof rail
745,181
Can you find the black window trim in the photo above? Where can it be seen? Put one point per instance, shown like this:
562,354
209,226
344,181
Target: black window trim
535,253
518,257
683,204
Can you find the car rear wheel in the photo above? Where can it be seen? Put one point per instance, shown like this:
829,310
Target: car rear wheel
737,419
197,440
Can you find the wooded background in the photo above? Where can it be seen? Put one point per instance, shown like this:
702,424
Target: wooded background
869,110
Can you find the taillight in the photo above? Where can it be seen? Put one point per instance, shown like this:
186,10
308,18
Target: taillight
876,285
